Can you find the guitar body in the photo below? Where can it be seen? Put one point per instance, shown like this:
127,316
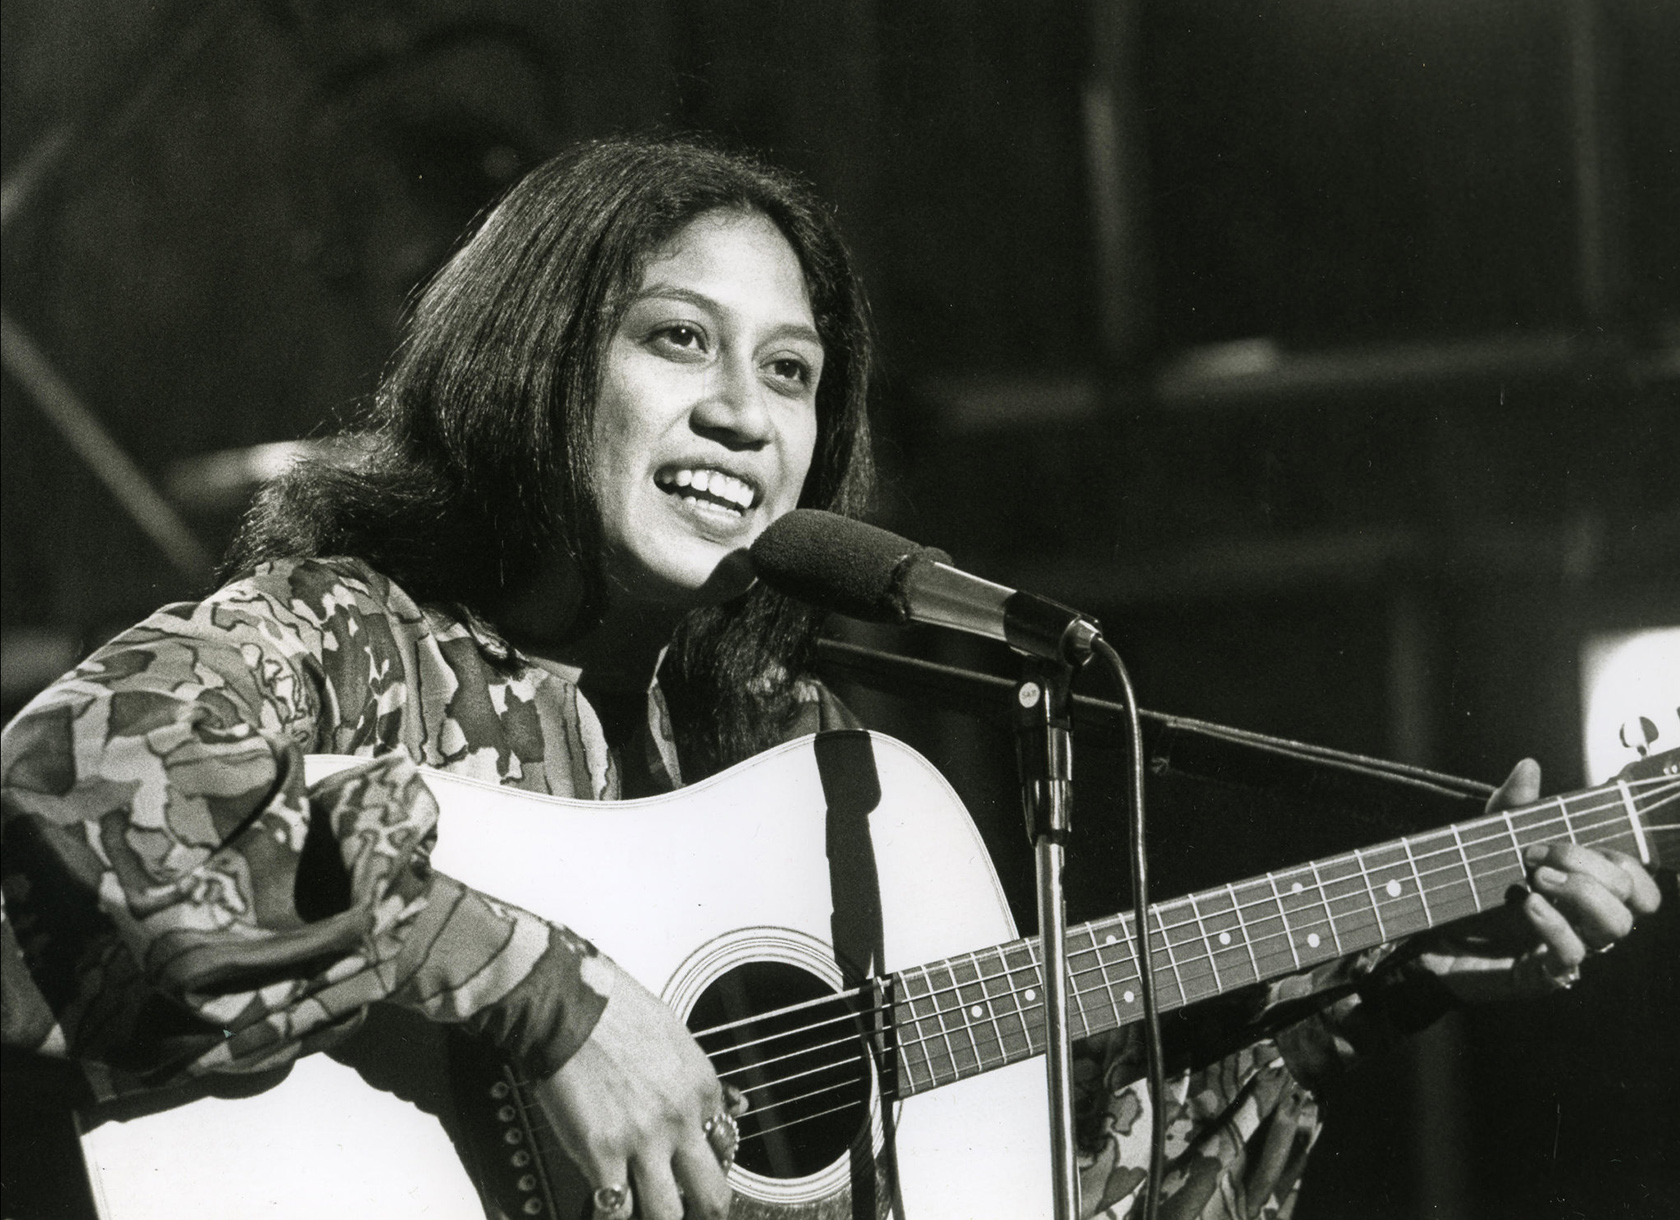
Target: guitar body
798,873
784,909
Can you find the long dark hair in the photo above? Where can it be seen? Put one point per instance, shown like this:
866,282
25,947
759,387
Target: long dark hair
474,469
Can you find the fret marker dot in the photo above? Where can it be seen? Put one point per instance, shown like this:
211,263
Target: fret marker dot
1127,996
975,1012
1296,888
1394,889
1224,938
1031,994
1110,939
1312,939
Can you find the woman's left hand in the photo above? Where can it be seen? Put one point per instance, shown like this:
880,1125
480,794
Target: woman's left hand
1581,901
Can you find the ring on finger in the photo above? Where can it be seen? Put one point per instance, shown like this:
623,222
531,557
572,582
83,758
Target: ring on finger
612,1203
723,1135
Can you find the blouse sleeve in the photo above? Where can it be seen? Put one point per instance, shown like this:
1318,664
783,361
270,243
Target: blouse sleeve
177,901
1241,1117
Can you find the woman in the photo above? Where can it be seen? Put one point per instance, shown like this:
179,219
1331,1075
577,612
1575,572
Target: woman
645,354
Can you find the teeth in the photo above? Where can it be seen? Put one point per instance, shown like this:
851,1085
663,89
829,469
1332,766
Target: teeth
714,483
731,489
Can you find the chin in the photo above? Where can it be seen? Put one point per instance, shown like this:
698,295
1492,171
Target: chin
729,578
691,582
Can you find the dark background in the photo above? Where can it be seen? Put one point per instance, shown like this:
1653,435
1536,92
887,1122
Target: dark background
1329,351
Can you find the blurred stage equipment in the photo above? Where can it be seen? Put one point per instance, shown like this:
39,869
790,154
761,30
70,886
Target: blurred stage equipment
108,461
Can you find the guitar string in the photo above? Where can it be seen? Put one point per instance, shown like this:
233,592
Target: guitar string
758,1064
1454,867
983,1044
779,1102
1584,831
988,1044
981,979
789,1077
1092,928
544,1129
862,1061
922,1039
995,1044
803,1118
1584,834
1498,820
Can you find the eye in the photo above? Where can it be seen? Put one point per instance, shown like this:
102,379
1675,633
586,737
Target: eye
682,336
790,369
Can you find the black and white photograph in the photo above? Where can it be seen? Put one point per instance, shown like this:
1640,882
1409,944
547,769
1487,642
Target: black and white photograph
840,609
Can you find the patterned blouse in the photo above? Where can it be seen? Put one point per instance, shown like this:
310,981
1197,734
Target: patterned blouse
177,902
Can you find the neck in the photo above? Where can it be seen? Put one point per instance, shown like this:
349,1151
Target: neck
619,654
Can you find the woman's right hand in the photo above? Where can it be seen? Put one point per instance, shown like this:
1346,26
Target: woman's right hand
630,1107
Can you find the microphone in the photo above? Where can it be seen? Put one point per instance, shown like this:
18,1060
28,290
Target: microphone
870,573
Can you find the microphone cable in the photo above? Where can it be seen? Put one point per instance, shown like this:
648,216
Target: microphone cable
1153,1057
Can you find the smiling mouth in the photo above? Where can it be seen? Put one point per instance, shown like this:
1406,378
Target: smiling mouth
708,486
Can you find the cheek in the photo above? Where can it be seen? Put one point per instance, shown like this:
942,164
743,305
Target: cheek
801,454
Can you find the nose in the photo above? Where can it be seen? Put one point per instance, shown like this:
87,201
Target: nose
733,411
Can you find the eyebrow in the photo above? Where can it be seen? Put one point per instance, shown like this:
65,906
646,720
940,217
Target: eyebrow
787,330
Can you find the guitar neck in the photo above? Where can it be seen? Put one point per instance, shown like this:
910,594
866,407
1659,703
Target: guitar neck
965,1015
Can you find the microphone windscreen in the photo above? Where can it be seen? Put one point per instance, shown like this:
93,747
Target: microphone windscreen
838,563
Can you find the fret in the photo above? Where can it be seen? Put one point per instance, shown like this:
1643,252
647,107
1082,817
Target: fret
1375,908
1288,932
1033,992
1269,941
1448,887
1495,871
1190,950
994,986
941,1030
1222,930
1305,917
1533,825
1103,981
1207,943
964,1059
1469,876
1348,896
1172,961
1568,826
1125,949
1633,821
975,1012
1076,1009
1242,924
1417,880
1511,830
908,981
1006,990
1400,905
1329,916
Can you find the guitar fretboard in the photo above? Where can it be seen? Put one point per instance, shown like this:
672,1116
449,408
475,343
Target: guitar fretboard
984,1010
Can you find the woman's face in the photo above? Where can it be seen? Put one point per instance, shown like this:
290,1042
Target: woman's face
707,417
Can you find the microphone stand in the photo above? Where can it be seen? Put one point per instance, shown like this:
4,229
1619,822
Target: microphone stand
1044,752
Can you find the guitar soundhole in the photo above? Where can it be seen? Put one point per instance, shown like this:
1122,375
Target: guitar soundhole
796,1049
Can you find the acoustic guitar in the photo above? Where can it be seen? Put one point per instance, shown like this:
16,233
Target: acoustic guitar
825,918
